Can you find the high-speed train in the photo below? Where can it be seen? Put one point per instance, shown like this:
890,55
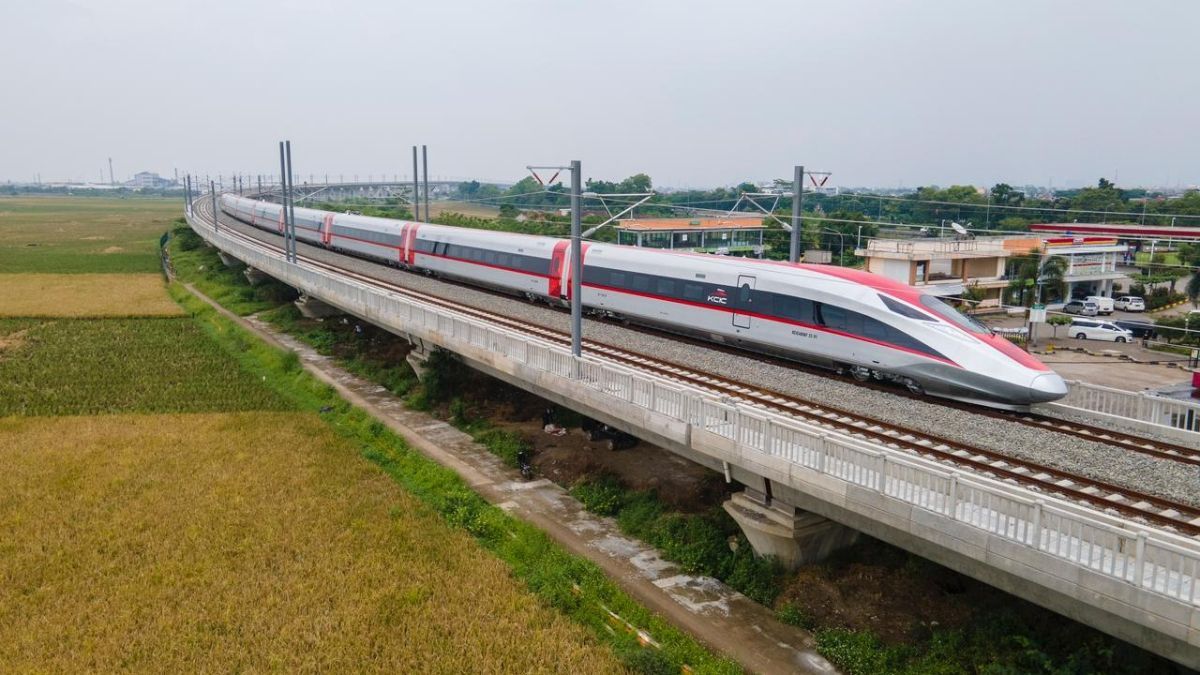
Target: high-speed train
849,320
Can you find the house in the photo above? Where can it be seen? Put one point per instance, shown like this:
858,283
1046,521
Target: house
947,267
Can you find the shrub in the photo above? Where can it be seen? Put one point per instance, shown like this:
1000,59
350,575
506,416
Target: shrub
794,615
604,495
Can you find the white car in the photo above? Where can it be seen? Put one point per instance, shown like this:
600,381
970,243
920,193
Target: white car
1130,303
1103,305
1089,329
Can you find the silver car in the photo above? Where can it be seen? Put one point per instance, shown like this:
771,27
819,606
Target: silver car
1082,308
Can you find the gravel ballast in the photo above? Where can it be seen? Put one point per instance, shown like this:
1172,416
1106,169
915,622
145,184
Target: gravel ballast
1093,459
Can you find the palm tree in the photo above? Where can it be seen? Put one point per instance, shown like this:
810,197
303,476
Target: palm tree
1053,273
1193,288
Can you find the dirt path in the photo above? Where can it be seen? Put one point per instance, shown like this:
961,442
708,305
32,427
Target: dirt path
713,613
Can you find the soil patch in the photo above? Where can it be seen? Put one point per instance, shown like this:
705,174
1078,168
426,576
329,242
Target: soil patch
879,588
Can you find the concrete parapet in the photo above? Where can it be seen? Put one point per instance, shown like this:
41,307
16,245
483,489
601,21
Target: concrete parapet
316,309
794,536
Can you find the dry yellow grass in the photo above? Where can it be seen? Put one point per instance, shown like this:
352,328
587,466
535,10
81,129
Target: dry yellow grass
85,295
244,542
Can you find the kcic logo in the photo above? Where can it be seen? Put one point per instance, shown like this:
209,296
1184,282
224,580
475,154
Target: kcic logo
719,297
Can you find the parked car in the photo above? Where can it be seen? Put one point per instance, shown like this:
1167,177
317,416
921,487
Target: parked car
1103,305
1130,303
1140,329
1090,329
1081,307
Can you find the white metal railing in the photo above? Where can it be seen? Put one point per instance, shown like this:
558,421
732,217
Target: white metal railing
1133,405
1152,561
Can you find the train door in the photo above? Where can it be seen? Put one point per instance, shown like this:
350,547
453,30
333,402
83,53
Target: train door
557,258
404,243
569,277
742,300
410,243
327,229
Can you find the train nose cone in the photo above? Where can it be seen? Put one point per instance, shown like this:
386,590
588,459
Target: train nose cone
1047,387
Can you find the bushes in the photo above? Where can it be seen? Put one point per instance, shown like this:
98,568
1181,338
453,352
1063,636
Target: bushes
710,544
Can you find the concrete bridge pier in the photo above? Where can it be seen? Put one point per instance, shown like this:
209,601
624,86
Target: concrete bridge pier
419,355
795,536
313,308
230,261
254,276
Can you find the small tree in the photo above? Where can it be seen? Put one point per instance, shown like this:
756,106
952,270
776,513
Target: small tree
1056,320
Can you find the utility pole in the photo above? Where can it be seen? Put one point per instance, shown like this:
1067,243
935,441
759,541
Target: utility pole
291,178
797,206
283,191
576,263
425,172
416,200
216,220
111,178
576,271
187,195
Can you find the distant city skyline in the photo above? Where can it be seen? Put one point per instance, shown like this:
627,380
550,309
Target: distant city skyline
695,94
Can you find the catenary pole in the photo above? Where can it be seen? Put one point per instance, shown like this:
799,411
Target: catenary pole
576,263
416,200
216,221
425,173
283,199
797,206
291,178
187,194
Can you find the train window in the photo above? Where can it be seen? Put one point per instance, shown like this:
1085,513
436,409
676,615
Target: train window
641,283
666,287
744,294
693,292
954,316
503,260
875,330
616,279
764,303
832,316
796,309
903,309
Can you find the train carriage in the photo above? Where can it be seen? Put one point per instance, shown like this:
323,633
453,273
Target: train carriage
850,320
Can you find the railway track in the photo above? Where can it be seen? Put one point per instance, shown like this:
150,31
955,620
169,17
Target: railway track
1146,508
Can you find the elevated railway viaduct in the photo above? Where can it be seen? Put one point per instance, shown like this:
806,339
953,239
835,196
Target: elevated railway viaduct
812,476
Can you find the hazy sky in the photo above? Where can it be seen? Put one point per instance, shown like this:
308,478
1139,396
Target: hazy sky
693,93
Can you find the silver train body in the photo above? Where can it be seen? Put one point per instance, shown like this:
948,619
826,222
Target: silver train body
849,320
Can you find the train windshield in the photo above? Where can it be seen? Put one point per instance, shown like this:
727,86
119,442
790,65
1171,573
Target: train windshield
937,305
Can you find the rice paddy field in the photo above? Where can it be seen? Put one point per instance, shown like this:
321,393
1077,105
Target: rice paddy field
231,542
104,366
172,500
85,295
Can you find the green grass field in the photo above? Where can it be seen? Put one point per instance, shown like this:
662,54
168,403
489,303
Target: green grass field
93,366
71,235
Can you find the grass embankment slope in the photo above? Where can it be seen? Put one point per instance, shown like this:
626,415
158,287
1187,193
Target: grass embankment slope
169,501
